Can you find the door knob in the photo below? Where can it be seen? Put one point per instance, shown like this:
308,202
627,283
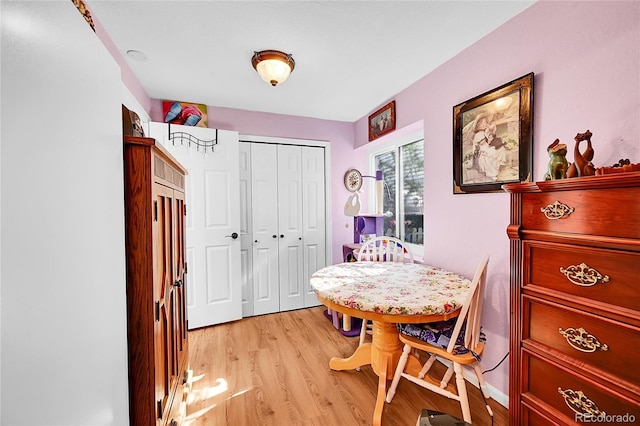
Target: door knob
281,235
234,235
275,236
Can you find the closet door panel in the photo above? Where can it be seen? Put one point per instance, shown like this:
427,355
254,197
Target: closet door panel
289,172
313,218
246,230
264,201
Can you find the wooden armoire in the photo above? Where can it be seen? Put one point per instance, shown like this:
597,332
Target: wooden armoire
156,270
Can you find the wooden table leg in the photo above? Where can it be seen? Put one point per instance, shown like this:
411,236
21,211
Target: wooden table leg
383,355
362,356
386,350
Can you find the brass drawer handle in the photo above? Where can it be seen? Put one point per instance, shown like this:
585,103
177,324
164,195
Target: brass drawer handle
580,404
557,210
583,275
582,341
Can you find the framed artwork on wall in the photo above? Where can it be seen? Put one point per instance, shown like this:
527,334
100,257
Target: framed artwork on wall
493,138
382,121
184,113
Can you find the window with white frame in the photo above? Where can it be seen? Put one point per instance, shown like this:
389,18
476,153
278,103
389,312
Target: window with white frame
402,166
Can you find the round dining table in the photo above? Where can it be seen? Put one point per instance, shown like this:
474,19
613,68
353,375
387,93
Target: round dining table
387,293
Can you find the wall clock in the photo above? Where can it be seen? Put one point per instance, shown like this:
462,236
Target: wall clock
353,180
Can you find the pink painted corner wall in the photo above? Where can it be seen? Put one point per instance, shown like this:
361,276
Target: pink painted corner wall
586,60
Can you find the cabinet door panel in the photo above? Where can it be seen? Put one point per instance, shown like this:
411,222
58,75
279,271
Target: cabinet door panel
164,343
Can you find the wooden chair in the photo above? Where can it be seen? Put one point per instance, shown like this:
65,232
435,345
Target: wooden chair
381,249
462,349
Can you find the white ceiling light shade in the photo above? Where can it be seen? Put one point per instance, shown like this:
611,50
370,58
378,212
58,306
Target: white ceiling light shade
273,66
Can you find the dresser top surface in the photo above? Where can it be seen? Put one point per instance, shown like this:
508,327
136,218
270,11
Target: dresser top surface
619,180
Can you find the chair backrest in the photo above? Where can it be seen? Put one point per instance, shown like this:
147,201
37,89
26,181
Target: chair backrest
471,310
384,249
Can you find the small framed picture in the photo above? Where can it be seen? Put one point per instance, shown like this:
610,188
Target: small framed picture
493,138
382,121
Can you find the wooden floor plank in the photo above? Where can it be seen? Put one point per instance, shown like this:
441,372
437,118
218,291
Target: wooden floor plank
273,370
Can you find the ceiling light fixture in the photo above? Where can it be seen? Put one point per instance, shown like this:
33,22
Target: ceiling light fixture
273,66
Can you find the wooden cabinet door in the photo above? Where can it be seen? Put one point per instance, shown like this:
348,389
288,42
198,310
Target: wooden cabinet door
179,308
163,274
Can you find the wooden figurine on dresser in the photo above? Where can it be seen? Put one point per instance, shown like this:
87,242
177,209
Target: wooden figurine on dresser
582,165
559,168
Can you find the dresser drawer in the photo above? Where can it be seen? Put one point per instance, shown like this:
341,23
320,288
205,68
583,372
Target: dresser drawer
535,418
613,212
574,396
608,276
597,343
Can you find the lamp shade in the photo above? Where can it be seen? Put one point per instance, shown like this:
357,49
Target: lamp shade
273,66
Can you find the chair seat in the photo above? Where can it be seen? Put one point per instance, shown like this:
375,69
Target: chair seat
439,334
467,357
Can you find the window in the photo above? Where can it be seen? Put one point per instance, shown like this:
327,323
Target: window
402,166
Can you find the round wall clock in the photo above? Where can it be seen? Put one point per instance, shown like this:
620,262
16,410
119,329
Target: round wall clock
353,180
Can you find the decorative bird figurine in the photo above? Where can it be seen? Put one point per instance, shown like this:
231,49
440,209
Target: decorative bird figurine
582,165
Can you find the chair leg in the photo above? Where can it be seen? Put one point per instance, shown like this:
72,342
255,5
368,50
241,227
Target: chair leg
462,392
483,386
427,365
447,377
399,369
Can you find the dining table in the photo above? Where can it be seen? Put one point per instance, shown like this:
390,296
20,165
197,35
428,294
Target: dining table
387,293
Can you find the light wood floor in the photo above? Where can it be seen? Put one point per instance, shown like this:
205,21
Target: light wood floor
274,370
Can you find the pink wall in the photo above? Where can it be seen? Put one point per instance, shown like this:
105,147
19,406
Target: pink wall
586,60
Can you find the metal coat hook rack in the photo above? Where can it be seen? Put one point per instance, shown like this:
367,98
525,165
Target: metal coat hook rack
184,137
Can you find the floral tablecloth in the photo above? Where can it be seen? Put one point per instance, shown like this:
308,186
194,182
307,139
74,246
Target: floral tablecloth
392,287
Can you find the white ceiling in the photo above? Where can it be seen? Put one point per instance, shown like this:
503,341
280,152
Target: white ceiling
351,56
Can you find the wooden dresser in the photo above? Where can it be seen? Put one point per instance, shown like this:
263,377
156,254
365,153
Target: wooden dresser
156,277
575,301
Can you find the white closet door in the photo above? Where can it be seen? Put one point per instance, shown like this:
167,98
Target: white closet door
265,228
246,230
213,216
313,218
290,227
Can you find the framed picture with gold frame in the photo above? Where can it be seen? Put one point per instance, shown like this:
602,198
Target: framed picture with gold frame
493,138
382,121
